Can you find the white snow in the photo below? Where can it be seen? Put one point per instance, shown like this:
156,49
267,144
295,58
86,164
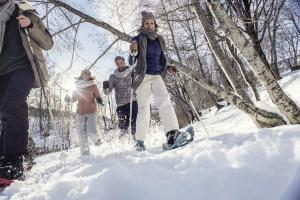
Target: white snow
237,162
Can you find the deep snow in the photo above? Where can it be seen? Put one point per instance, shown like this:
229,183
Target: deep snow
238,162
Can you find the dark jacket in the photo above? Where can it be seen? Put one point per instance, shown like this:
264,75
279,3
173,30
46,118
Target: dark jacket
155,60
40,39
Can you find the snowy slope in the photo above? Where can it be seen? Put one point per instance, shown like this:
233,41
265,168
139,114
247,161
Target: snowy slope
237,162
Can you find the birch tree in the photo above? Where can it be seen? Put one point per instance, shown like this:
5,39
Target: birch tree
219,54
264,74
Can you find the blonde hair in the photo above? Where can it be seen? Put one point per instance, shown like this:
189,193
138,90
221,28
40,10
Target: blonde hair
84,72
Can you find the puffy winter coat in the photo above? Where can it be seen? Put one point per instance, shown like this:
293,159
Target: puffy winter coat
86,98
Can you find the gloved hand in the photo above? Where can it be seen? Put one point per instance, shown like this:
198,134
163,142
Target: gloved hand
133,48
99,101
67,99
171,69
105,85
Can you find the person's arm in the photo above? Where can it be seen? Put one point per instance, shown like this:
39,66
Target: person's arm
97,92
39,33
133,50
132,60
108,87
98,96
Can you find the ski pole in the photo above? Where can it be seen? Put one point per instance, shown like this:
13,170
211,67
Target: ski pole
205,130
130,105
36,66
194,109
130,108
110,109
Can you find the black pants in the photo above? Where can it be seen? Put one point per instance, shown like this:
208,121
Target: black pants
124,114
14,89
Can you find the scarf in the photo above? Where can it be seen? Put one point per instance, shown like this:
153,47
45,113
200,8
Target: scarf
141,66
82,84
6,11
152,35
124,73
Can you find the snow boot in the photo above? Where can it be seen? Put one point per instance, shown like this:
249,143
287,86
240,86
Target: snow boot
177,138
139,146
172,136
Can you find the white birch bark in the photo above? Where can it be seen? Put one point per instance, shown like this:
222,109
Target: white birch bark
219,54
264,74
260,117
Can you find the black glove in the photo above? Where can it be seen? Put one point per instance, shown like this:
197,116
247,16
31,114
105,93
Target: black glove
172,69
99,100
105,85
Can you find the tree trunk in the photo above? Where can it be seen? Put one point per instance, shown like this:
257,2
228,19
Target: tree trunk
260,117
264,74
219,54
246,77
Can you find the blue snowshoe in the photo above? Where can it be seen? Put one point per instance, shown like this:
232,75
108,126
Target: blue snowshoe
179,138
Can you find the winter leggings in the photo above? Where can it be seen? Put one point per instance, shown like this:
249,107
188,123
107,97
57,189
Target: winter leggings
154,85
14,89
86,126
124,115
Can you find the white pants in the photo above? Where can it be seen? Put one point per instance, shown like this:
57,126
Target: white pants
154,85
86,125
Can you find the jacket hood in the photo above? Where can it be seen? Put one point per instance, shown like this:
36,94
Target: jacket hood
26,7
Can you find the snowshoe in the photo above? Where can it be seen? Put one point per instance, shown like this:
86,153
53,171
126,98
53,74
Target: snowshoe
139,146
179,138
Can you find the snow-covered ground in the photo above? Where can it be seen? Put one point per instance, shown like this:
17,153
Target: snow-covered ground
237,162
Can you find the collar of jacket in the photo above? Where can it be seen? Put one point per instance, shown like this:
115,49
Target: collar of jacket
25,7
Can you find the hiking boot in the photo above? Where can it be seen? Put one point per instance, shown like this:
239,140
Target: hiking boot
172,136
11,167
139,146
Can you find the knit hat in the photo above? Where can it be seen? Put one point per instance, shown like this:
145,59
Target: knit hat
85,71
147,15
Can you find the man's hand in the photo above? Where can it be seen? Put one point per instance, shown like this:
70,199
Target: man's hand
105,85
24,21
